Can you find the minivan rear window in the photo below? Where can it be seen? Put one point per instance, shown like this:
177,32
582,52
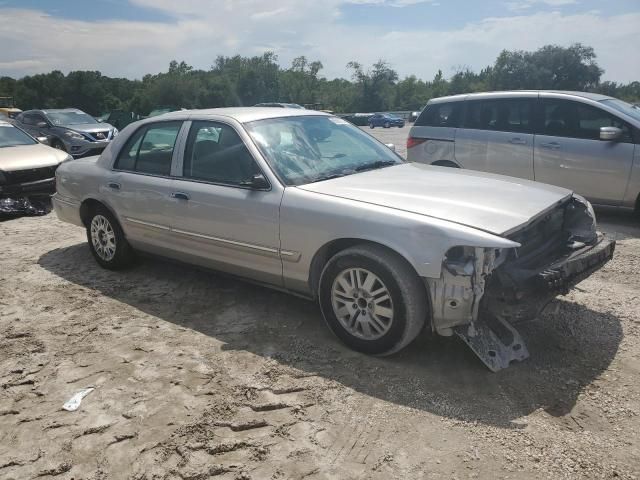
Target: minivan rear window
440,115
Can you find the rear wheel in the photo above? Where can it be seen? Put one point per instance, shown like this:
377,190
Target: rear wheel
371,125
372,299
387,125
106,240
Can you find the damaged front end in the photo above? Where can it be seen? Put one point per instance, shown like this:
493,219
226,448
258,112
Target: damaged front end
27,192
483,292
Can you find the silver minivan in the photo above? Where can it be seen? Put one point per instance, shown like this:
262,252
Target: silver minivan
586,142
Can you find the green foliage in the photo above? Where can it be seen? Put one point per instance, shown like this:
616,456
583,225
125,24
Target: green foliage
237,80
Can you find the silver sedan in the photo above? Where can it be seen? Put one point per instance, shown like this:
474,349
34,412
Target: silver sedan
305,202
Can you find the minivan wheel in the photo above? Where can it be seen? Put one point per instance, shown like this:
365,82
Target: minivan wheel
387,125
107,241
371,125
372,299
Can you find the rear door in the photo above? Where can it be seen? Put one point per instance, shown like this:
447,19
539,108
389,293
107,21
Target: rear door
140,185
432,136
217,219
497,136
569,153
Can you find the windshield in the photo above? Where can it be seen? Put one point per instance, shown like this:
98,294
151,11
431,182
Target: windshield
311,148
6,102
11,136
70,118
623,107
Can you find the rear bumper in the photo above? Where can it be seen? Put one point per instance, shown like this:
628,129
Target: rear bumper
67,210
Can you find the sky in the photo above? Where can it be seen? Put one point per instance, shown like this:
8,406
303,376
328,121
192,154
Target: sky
130,38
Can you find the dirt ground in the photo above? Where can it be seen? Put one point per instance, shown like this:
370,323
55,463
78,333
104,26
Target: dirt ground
199,376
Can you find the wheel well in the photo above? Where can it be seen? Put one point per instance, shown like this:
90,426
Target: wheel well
446,163
328,250
87,207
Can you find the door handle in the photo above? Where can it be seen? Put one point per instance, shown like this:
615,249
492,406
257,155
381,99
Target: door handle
552,145
180,196
518,141
114,185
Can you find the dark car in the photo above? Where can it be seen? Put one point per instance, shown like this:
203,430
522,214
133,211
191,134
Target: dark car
69,129
385,120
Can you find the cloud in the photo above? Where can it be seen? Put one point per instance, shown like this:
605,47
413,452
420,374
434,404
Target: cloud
527,4
202,29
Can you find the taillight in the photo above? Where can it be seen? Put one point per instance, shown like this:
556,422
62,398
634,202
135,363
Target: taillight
413,142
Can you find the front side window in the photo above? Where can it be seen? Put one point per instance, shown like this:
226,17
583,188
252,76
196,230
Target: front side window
11,136
309,149
216,153
150,149
503,115
29,119
564,118
440,115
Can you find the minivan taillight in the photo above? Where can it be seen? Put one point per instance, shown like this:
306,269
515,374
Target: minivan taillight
413,142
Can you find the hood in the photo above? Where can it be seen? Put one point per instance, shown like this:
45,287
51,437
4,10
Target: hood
24,157
88,127
493,203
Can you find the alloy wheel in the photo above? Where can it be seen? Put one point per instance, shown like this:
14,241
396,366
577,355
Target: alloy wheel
103,238
362,303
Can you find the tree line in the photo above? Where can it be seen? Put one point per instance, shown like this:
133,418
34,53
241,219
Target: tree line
238,80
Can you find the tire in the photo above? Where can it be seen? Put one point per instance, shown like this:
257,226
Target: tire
108,233
371,126
58,145
386,125
398,320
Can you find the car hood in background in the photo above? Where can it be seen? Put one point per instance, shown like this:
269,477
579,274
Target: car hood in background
24,157
493,203
88,127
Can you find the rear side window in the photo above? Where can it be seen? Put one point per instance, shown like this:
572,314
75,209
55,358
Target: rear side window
564,118
502,115
440,115
150,149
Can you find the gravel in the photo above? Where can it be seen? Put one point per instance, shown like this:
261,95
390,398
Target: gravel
201,376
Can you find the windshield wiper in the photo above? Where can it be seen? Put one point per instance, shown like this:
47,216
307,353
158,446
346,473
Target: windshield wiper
330,176
374,165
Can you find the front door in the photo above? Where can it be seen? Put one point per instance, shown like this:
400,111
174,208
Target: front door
139,187
569,153
228,225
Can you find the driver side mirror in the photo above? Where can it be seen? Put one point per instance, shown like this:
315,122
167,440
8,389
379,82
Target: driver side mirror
256,182
43,140
390,146
610,133
42,124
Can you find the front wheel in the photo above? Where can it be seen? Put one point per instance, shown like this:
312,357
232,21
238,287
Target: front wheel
387,125
107,241
372,299
371,125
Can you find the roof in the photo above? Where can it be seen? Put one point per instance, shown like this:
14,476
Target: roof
58,110
507,93
247,114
